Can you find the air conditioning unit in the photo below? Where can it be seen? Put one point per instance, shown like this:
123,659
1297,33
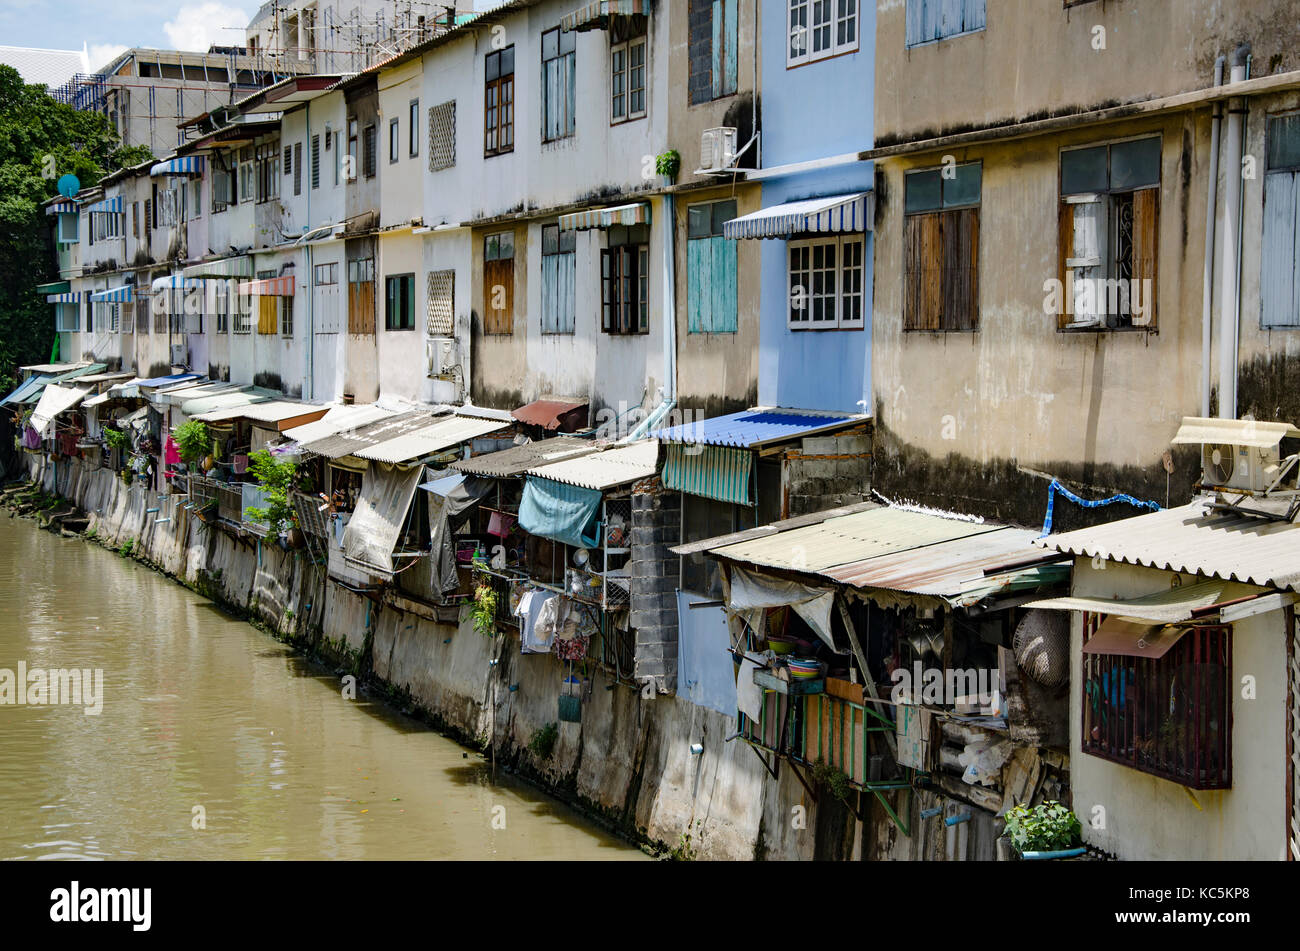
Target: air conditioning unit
180,355
1242,456
717,149
442,358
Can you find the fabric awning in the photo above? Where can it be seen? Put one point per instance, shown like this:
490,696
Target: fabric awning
72,297
444,486
1133,639
174,282
712,472
754,592
269,287
115,295
55,400
182,165
375,527
637,213
108,205
63,207
550,414
838,213
240,266
564,513
595,16
54,287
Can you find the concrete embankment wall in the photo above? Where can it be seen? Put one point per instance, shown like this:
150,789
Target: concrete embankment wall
629,760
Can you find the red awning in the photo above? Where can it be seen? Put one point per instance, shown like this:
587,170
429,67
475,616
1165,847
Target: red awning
553,414
269,287
1131,639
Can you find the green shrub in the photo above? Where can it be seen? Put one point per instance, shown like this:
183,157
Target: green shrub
193,441
1047,827
277,478
542,743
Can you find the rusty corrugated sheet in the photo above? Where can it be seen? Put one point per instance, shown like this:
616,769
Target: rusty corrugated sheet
549,414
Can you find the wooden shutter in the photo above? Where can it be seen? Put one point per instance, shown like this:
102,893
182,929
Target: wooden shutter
607,290
923,271
361,307
1146,230
699,294
723,285
266,314
700,50
499,274
1065,251
961,269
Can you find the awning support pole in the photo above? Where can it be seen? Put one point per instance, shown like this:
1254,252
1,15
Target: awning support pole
868,684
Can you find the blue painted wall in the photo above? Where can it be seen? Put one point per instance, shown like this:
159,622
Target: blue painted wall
813,111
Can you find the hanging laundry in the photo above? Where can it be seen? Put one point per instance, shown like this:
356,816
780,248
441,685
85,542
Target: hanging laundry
533,639
171,452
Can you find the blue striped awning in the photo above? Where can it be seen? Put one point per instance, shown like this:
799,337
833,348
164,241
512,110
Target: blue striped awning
179,166
114,295
72,297
634,214
714,472
836,214
750,429
62,207
108,205
595,16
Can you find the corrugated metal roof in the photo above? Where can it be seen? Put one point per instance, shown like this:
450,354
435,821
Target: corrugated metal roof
763,531
1167,606
55,367
203,405
756,427
368,434
339,419
269,411
1191,539
443,433
27,387
546,413
1235,432
518,459
605,470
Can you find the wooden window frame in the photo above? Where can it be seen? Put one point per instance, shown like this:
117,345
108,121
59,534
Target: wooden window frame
625,283
394,141
623,74
413,128
838,296
499,105
285,309
498,269
361,296
803,11
949,301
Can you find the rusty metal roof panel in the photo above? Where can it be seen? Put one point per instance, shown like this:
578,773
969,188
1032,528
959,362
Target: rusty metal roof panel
1194,539
518,459
944,569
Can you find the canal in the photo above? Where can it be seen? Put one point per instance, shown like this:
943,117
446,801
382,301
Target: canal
216,742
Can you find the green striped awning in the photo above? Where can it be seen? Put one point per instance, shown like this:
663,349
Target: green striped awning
637,213
595,16
714,472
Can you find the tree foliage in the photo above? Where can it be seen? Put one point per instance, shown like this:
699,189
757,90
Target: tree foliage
34,126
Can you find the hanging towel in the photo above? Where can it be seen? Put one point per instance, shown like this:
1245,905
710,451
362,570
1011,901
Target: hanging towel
171,453
749,695
533,639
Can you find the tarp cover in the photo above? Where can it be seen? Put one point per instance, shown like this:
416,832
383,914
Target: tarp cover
449,497
55,400
705,670
376,525
752,592
562,512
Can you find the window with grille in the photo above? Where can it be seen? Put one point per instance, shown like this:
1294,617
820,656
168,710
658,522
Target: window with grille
442,136
220,297
370,148
441,303
627,60
941,248
499,283
399,302
285,309
1108,233
826,283
559,83
820,28
559,271
625,281
1170,716
499,102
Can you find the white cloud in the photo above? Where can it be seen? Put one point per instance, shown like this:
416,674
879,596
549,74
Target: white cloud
198,26
101,54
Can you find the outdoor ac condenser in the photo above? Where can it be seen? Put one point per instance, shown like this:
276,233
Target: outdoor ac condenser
1241,456
717,148
442,357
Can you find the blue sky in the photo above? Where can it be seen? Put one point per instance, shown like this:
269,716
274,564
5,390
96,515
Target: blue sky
107,26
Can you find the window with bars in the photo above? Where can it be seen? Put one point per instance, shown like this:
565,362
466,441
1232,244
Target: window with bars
627,60
399,302
559,83
499,102
441,303
369,151
625,281
499,283
559,271
442,136
1170,716
820,28
826,281
285,308
713,44
224,187
941,248
710,269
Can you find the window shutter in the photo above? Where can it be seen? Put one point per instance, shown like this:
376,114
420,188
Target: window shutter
266,313
961,267
1146,214
723,309
315,161
499,274
700,50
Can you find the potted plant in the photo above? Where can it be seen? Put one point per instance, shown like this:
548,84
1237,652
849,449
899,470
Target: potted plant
668,164
1048,830
277,478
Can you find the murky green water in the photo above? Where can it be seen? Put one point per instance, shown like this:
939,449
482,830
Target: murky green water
201,710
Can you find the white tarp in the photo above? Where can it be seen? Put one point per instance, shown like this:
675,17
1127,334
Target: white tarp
55,400
376,525
753,592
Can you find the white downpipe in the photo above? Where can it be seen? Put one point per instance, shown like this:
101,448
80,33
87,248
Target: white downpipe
1207,276
1229,306
669,400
